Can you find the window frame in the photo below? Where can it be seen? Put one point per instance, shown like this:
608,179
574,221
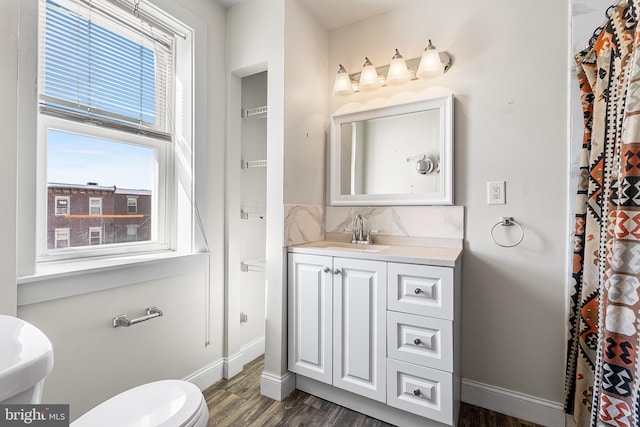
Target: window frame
164,197
162,209
40,281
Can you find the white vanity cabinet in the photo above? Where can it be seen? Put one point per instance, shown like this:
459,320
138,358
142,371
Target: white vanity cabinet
378,332
337,322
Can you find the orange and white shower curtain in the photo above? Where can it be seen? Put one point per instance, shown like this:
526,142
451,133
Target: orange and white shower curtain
602,384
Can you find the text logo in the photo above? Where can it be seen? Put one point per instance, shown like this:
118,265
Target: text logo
13,415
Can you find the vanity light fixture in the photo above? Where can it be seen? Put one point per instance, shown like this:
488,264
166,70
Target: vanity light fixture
342,85
369,78
398,72
431,64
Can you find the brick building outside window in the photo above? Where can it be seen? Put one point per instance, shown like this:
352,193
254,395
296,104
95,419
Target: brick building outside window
84,215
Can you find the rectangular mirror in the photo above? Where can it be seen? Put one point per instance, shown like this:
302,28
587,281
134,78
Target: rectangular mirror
395,155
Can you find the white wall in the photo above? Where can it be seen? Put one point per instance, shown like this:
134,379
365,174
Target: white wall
509,79
306,103
9,18
93,360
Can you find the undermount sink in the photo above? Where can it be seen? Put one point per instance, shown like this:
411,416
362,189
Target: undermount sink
26,358
339,246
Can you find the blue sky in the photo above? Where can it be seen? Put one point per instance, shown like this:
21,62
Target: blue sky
78,159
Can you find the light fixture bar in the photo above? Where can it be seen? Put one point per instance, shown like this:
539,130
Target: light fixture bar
412,66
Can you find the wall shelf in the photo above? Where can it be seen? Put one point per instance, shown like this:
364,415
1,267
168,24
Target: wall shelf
246,164
258,112
253,213
255,265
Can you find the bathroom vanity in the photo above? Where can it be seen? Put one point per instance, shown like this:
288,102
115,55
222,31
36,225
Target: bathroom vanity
376,328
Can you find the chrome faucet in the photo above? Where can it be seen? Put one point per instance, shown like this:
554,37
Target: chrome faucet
358,235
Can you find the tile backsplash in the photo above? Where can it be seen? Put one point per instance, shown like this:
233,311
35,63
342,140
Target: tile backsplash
408,224
303,224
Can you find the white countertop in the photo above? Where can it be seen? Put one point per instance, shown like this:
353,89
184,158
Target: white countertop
427,255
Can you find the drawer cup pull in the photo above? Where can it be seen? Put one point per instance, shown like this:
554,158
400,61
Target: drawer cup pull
417,392
417,341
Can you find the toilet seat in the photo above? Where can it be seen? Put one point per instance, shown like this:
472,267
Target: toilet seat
168,403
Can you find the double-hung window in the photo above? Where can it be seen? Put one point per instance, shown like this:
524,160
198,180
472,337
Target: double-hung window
113,115
132,205
95,206
62,205
95,235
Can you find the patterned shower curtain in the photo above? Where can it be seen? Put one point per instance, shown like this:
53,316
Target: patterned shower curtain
602,382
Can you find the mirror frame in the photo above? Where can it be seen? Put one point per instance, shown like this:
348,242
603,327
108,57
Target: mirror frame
442,197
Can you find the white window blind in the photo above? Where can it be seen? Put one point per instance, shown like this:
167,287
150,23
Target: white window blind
105,65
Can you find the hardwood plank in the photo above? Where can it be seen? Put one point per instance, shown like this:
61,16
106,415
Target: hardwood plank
237,403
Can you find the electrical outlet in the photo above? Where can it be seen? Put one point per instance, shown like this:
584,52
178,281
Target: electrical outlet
496,193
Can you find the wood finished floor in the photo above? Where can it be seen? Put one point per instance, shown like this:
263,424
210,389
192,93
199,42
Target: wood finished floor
237,403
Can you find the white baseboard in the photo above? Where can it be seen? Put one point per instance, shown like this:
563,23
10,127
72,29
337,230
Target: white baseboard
513,403
227,367
207,376
275,387
252,350
232,365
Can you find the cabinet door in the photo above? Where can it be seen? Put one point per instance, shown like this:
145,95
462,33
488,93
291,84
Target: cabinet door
359,327
309,305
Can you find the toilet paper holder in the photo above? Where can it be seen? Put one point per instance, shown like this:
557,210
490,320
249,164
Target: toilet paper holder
152,313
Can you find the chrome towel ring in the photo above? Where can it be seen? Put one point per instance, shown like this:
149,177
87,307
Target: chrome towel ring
507,221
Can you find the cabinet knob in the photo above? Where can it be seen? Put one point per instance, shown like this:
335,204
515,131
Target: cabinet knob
417,291
417,392
417,341
326,269
337,271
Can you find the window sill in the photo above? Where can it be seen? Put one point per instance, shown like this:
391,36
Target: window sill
68,278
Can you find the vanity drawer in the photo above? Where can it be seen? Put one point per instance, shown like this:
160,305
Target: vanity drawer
422,391
425,341
421,289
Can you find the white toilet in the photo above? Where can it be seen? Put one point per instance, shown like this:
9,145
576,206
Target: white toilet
26,358
169,403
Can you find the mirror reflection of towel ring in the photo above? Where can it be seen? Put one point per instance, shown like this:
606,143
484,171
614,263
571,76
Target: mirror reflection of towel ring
507,221
424,166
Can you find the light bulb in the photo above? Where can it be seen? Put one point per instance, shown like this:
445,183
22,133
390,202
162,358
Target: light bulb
369,79
342,85
398,72
430,64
